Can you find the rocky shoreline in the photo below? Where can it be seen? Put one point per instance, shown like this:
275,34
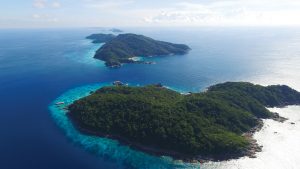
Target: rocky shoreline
118,65
254,147
251,151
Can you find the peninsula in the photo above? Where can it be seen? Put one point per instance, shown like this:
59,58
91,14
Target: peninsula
101,37
207,125
124,47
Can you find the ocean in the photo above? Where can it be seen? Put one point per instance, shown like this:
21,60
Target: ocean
41,66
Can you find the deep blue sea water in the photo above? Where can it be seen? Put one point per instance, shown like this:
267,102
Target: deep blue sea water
39,65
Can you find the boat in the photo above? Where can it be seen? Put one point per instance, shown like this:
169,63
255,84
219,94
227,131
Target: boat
118,83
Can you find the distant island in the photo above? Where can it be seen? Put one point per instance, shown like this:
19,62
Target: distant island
213,125
115,30
124,47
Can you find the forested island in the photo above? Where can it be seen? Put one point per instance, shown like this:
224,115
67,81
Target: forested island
207,125
122,48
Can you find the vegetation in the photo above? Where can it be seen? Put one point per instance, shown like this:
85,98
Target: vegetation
101,38
125,46
210,123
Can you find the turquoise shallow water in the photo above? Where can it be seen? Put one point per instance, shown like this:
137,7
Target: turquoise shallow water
85,56
105,147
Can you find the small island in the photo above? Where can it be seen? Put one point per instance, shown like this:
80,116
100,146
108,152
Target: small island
115,30
213,125
125,47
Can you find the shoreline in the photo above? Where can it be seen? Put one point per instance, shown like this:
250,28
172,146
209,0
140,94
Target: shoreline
251,151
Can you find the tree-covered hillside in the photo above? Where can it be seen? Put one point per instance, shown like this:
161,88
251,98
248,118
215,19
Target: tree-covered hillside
210,123
125,46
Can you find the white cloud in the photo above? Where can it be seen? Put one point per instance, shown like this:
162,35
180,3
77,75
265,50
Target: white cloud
44,18
45,15
39,3
56,5
36,16
109,5
172,12
229,13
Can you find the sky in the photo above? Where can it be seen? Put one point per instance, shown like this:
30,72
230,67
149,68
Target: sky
157,13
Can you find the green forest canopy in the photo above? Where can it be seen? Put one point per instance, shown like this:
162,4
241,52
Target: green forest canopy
207,123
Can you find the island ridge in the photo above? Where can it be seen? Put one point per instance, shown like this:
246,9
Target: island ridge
124,47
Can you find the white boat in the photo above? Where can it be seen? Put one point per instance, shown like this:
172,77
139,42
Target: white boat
59,103
118,83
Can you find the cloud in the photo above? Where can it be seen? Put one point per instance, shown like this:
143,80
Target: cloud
44,18
56,5
41,4
109,5
228,13
172,12
36,16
